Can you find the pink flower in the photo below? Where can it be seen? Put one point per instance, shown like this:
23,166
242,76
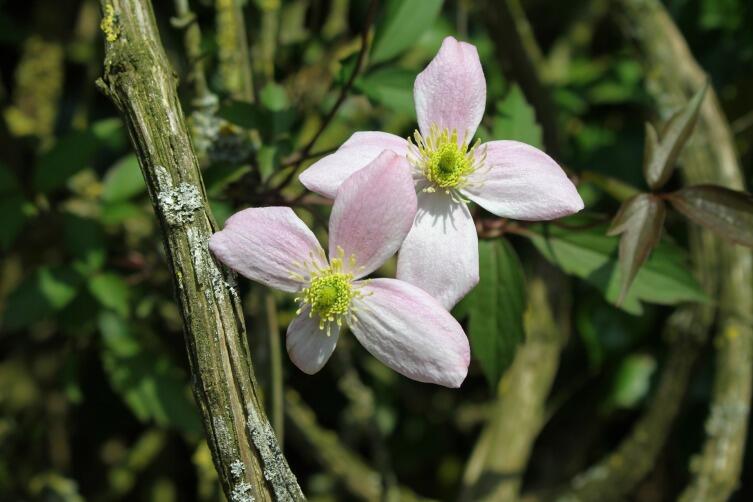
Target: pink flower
400,324
508,178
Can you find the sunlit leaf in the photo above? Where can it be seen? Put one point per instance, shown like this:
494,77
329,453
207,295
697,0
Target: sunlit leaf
588,253
111,291
632,381
662,149
726,212
403,24
123,180
639,221
516,120
495,308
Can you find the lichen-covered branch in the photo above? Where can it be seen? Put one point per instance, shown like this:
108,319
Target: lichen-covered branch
726,269
232,50
673,76
142,85
496,466
355,474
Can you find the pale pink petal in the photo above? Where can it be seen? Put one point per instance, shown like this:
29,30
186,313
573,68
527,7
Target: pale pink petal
326,175
440,254
451,92
268,245
523,183
372,213
308,346
409,331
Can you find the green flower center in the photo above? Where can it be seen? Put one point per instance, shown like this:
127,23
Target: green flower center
329,293
447,166
443,161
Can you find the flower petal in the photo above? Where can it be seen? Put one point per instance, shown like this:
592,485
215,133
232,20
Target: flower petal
308,346
372,213
440,254
267,245
523,183
451,92
409,331
327,174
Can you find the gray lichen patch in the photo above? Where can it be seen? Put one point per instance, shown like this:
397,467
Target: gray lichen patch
178,204
276,469
242,493
237,468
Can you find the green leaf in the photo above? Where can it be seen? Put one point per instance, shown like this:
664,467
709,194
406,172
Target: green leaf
495,308
661,150
111,291
123,180
149,382
242,114
85,242
403,24
75,152
516,119
591,255
726,212
274,97
640,221
632,381
43,293
390,87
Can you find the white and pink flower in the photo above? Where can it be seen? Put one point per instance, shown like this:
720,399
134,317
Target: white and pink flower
398,323
507,178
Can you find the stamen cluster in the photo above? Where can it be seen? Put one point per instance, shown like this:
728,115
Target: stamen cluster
329,294
442,160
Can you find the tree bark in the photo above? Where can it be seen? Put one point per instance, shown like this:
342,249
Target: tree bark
726,270
142,85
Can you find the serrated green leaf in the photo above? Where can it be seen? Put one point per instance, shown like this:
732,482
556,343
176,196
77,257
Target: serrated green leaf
43,293
111,291
390,87
403,24
726,212
123,180
516,119
495,308
662,150
591,255
149,382
640,221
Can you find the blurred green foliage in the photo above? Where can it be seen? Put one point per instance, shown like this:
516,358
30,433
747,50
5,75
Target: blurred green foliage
95,397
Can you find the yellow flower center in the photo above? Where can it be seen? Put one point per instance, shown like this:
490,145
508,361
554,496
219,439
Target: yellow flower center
443,161
329,293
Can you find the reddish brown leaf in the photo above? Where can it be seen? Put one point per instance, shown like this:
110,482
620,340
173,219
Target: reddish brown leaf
726,212
640,221
661,150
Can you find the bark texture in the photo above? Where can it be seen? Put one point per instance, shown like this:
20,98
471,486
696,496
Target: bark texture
142,85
